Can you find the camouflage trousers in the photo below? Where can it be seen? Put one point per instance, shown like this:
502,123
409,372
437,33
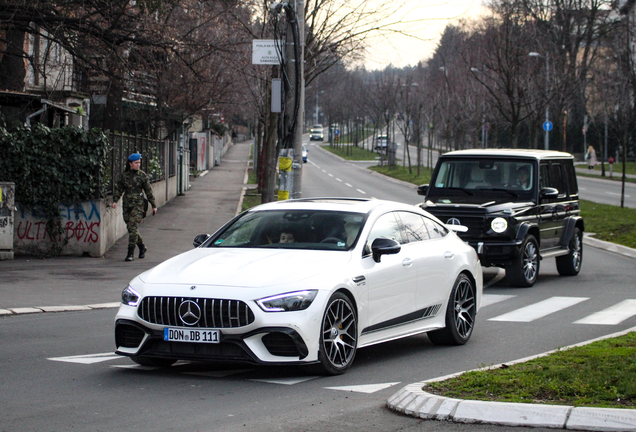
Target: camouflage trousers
133,217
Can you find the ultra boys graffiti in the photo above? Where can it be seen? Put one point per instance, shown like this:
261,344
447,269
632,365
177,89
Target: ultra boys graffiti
79,223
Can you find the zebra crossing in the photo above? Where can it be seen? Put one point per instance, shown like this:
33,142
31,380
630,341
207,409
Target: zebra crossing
612,315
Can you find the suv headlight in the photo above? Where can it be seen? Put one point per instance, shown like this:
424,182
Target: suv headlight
499,225
129,296
294,301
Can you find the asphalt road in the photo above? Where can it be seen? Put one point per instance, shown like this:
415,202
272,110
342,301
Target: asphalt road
58,371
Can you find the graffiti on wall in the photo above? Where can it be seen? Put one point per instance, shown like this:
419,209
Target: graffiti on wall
79,223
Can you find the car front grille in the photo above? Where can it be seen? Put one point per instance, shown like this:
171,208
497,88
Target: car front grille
212,313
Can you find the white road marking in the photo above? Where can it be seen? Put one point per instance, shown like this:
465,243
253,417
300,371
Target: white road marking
364,388
490,299
87,358
539,310
330,175
338,179
348,184
218,374
616,194
285,381
612,315
361,191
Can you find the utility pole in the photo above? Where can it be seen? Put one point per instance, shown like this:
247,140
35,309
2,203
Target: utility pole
294,70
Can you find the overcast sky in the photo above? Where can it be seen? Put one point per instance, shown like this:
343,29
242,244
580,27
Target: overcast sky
429,17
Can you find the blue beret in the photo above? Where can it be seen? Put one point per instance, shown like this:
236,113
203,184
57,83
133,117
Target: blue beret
134,157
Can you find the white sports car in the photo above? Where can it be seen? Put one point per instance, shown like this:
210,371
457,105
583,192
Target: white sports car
305,281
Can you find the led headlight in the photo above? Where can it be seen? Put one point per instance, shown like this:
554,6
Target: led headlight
294,301
499,225
129,296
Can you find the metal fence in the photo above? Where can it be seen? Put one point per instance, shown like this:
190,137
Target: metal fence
153,161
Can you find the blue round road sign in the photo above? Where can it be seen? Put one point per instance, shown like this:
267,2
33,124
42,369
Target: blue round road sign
547,126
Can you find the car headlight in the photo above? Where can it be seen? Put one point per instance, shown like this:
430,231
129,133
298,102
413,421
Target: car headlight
499,225
129,296
295,301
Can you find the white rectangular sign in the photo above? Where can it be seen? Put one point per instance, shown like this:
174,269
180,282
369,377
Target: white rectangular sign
264,52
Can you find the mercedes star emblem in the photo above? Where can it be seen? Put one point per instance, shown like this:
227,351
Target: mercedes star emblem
189,312
453,221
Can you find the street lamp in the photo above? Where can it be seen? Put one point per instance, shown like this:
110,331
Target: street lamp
547,125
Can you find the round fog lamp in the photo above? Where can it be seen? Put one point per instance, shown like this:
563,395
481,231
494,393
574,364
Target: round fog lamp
499,225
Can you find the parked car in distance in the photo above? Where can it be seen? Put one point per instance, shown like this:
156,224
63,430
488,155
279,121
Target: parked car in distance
520,207
304,282
304,155
316,133
381,143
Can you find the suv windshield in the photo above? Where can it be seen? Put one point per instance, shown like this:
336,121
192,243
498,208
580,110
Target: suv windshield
483,180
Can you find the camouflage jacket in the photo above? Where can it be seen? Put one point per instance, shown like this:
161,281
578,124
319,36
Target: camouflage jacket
132,184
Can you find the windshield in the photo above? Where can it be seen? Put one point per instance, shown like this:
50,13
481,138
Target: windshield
293,229
482,180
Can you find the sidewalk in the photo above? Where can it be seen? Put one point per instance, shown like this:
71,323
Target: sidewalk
69,283
581,168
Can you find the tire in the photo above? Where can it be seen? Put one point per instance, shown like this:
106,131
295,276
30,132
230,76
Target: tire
152,361
338,336
460,314
525,270
570,264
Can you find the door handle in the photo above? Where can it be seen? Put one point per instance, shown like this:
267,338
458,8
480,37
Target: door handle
449,254
407,262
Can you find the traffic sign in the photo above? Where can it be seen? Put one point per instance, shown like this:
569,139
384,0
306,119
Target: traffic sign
547,126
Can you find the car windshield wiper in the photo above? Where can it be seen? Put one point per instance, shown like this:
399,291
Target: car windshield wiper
460,189
509,192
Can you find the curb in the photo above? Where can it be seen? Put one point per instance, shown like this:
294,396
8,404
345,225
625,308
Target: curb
608,246
40,309
412,400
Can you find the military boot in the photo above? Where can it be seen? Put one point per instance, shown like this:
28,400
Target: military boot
142,250
131,253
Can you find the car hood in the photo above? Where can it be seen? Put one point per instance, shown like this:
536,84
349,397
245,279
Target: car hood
478,209
250,268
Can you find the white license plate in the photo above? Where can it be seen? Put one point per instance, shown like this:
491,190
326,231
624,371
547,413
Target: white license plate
191,335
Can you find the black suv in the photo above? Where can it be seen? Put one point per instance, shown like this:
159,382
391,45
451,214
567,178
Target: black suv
520,206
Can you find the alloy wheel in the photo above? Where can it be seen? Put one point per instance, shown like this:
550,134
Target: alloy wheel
339,333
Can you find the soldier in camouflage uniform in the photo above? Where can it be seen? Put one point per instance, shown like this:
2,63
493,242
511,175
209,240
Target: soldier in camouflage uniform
132,184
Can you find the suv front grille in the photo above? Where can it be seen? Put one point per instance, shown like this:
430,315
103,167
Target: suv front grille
215,313
475,224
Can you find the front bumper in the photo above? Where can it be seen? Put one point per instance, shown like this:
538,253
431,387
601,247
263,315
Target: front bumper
276,345
496,253
264,338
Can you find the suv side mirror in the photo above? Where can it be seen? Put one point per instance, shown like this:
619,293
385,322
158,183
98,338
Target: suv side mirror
200,239
384,246
421,190
549,192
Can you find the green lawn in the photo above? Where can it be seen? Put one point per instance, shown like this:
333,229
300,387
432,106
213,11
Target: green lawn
610,223
600,374
351,152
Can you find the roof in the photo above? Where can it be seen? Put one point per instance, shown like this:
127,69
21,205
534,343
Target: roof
515,153
356,205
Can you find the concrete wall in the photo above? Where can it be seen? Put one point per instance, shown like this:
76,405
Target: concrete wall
90,228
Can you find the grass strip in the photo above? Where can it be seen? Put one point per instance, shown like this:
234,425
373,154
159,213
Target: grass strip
600,374
402,173
610,223
351,152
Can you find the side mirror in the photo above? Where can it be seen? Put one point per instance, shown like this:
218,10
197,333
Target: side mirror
384,246
549,192
200,239
421,190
